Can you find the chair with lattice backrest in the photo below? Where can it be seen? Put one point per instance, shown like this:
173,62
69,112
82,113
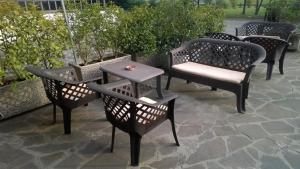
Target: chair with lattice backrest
222,36
275,49
64,90
135,116
280,29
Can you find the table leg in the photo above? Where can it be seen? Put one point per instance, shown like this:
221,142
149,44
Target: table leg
136,90
158,86
105,77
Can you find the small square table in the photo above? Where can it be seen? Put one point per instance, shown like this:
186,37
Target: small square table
139,74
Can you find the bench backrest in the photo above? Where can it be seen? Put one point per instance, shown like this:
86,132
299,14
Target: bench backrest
281,29
233,55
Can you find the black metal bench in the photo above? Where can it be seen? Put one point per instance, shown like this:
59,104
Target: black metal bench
217,63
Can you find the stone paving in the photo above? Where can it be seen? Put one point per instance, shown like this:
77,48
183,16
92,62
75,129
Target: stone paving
212,134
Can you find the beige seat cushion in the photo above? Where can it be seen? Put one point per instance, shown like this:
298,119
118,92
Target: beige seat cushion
211,72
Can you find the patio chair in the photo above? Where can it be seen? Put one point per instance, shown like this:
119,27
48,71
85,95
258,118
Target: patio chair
64,90
222,36
281,29
135,116
275,50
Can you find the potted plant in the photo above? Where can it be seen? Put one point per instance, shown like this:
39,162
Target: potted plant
26,38
95,32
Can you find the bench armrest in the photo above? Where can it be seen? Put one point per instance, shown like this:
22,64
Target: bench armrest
239,31
179,55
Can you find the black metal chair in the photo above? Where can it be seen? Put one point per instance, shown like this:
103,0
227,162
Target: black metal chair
281,29
135,116
275,49
64,90
223,64
222,36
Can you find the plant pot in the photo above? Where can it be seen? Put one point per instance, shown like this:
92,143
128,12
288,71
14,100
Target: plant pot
294,42
21,97
92,71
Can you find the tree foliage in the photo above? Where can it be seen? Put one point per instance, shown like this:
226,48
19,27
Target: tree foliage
27,38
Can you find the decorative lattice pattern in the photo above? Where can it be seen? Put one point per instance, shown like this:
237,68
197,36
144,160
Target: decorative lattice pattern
283,30
274,47
219,53
121,111
58,90
180,56
223,36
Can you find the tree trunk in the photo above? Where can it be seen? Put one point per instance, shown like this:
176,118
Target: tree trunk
244,8
258,5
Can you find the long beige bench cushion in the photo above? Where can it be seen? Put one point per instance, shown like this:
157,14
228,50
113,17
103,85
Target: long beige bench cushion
211,72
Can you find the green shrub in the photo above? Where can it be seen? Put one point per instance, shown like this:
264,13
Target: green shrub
136,32
182,22
208,19
95,28
233,3
250,3
222,3
27,38
209,2
173,25
292,11
288,10
129,4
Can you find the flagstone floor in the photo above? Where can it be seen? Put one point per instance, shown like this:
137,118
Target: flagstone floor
212,134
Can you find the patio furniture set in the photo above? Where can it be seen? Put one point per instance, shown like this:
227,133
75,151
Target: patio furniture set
222,61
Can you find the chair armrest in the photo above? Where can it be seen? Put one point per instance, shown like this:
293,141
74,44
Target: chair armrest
179,55
249,73
46,73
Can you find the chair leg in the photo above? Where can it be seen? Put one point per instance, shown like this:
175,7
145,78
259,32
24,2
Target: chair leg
244,95
246,90
171,117
99,81
269,71
135,144
281,60
112,139
281,66
67,121
168,82
174,132
54,114
239,100
214,89
243,104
